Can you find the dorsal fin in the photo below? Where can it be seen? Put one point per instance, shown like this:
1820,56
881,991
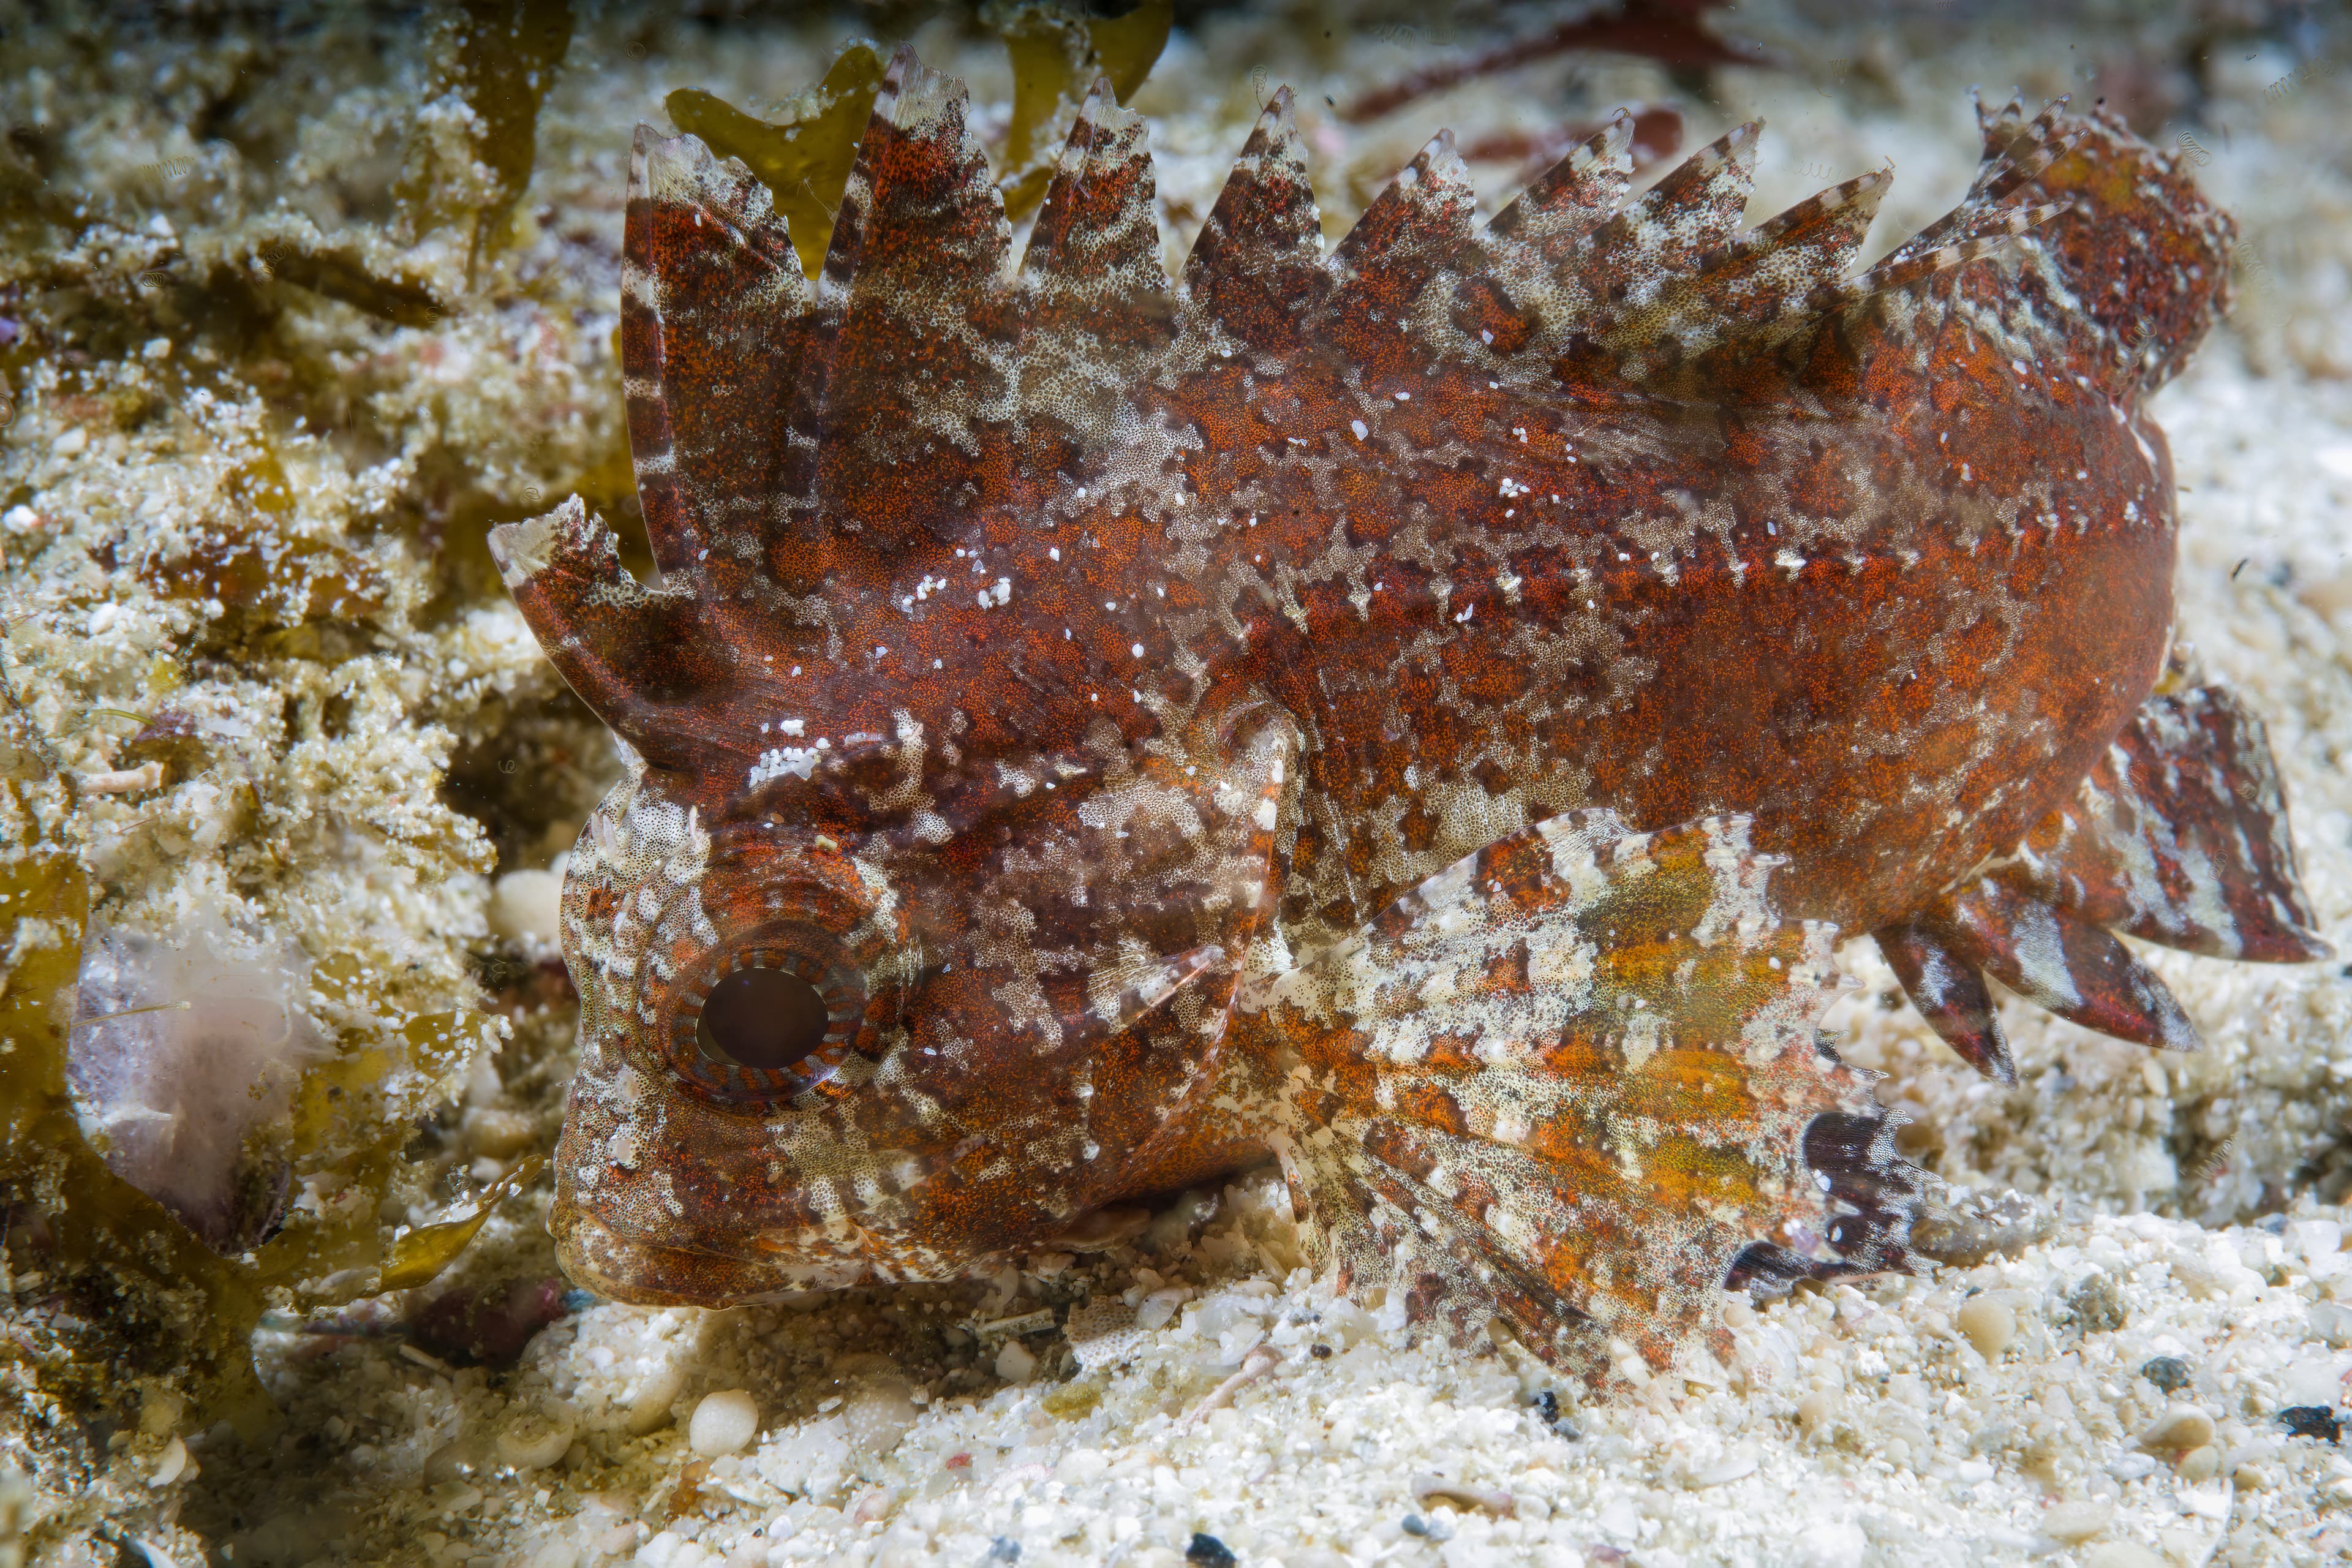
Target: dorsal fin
1413,230
1256,268
706,263
1521,284
2015,154
920,365
1094,303
650,662
1746,294
1632,260
2017,151
1095,227
1981,234
1569,199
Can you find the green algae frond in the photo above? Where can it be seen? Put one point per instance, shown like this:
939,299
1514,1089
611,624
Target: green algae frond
1058,48
122,1242
419,1256
804,155
498,59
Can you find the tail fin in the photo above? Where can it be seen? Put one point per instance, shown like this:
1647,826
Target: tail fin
1574,1080
2142,257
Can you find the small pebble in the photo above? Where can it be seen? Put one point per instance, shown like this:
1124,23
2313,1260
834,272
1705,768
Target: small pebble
877,1416
2169,1374
649,1407
723,1423
1814,1411
170,1465
533,1441
160,1411
1987,1324
1154,1310
1209,1552
527,906
1015,1363
2072,1523
2179,1429
2199,1464
1004,1549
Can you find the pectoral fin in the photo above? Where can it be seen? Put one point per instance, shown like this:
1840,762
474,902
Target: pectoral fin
1574,1080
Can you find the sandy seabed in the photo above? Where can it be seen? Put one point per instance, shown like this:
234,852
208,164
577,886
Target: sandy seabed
2105,1389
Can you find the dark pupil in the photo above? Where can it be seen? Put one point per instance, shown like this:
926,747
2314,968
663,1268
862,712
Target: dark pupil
761,1018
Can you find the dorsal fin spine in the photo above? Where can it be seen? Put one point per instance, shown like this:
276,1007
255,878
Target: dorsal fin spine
1255,272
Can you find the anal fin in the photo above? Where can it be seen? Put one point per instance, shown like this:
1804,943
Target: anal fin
2178,837
1571,1080
2066,965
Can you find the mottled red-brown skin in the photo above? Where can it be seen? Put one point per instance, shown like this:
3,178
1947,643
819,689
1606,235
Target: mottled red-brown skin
1088,685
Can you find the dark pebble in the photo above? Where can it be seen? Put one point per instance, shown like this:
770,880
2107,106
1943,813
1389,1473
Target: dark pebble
1320,1352
1548,1407
1416,1525
2168,1373
1004,1549
2312,1421
1209,1552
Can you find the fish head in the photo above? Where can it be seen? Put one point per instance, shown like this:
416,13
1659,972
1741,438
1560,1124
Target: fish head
884,1019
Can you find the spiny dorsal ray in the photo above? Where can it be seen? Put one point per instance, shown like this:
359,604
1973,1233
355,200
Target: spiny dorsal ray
2016,153
1762,279
1255,271
714,320
1521,284
1385,264
1094,296
652,663
1566,200
1630,260
919,373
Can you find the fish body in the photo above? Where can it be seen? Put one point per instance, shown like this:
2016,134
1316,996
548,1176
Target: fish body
1423,712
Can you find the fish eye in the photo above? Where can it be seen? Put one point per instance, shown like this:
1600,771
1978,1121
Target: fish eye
765,1019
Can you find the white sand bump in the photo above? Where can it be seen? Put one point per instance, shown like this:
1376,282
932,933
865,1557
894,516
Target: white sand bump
723,1422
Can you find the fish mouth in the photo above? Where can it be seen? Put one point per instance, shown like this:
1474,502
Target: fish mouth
648,1273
